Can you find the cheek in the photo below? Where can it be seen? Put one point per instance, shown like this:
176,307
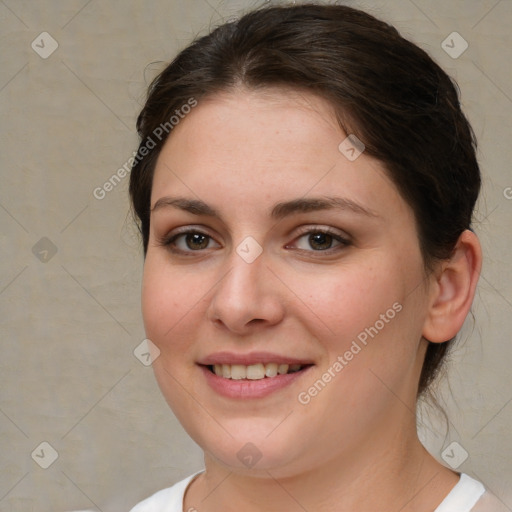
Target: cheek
362,314
168,298
348,300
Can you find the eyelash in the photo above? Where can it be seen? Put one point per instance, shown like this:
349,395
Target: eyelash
168,241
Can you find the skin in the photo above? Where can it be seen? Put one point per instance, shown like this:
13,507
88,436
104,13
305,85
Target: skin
241,153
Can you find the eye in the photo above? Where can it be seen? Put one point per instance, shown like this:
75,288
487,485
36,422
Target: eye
189,241
319,240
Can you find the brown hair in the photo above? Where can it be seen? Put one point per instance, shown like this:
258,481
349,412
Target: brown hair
383,88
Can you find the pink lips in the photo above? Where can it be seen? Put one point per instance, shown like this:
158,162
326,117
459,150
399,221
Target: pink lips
245,388
252,358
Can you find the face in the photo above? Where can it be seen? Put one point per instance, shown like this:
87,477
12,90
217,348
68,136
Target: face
283,286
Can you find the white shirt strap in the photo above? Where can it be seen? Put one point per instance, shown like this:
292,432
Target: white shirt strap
463,496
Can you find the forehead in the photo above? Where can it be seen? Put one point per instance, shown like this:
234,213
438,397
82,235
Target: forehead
257,147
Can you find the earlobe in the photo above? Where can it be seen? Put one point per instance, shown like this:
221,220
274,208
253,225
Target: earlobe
454,290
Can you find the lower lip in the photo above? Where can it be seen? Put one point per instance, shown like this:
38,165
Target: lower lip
245,388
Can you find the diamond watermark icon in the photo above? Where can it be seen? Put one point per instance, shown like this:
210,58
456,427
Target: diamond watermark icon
45,455
249,455
351,147
249,249
454,45
44,250
454,455
44,45
146,352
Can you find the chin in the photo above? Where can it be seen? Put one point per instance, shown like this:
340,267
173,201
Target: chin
250,449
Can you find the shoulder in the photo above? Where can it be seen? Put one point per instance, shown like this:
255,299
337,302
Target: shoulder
166,500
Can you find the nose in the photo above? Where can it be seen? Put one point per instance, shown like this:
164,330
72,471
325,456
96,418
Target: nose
247,298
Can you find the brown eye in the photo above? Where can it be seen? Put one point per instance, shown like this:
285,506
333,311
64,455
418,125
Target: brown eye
315,240
188,242
320,241
196,241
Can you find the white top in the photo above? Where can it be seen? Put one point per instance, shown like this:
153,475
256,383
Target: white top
467,495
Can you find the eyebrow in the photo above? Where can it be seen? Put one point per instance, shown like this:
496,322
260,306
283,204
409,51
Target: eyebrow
278,212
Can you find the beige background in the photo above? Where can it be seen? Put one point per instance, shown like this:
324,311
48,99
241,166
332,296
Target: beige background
70,321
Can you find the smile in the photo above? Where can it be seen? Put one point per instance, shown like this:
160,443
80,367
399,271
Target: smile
251,375
256,371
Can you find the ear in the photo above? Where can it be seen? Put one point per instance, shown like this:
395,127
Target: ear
453,289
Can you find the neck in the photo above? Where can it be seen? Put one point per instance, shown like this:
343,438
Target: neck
387,473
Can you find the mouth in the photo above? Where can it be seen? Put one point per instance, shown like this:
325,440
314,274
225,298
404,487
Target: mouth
254,375
256,371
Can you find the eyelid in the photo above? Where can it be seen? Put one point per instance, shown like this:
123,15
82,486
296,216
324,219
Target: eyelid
328,230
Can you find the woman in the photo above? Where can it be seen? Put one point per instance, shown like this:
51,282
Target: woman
304,187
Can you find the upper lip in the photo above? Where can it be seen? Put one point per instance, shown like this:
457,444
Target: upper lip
250,358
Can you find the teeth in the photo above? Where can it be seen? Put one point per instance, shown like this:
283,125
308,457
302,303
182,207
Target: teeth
282,369
271,369
226,371
254,371
238,371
